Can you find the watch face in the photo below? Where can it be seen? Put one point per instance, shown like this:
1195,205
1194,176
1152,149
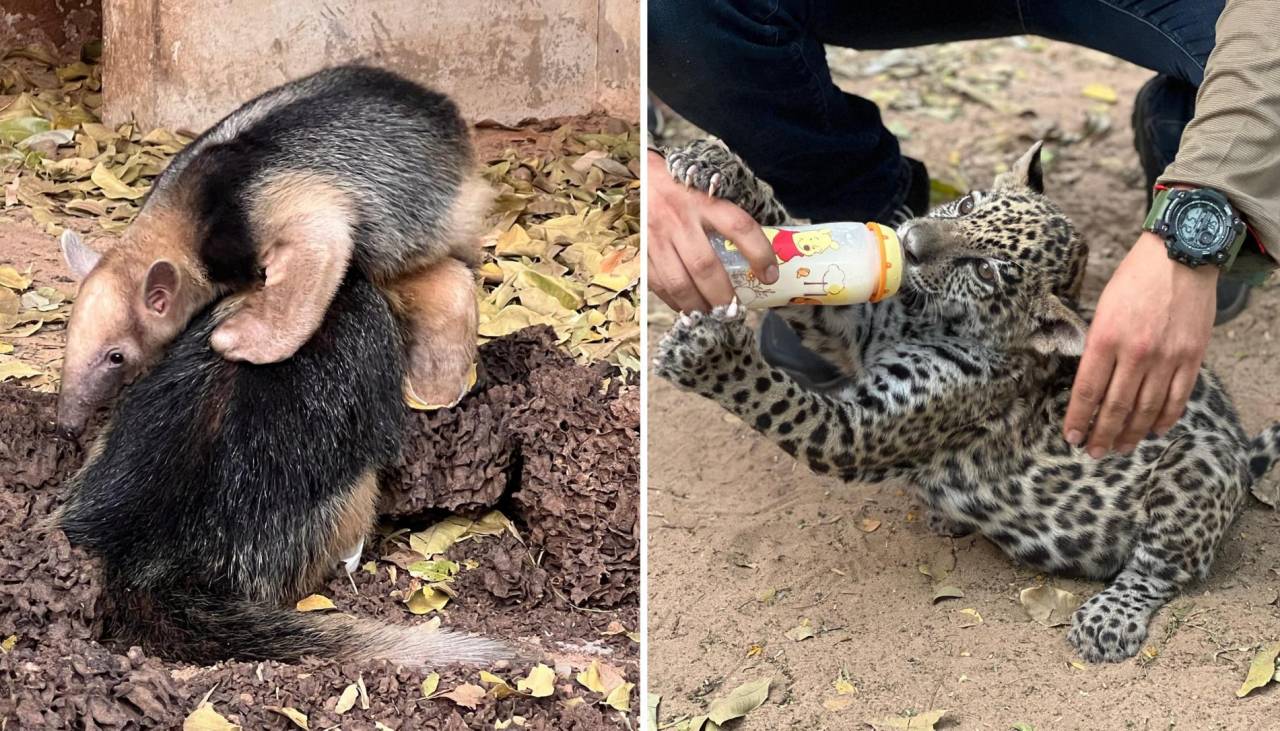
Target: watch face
1201,226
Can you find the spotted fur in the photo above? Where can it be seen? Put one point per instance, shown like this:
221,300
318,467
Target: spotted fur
959,386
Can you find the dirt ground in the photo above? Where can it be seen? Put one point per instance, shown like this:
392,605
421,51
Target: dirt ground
53,674
744,543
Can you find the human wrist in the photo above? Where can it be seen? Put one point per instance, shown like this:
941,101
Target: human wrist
1152,244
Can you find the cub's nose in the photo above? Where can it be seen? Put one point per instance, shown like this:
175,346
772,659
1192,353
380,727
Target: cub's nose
912,237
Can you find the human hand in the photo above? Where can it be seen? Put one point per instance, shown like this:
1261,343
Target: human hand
1144,350
684,270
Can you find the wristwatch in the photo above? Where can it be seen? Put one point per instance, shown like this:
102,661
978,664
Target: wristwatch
1198,226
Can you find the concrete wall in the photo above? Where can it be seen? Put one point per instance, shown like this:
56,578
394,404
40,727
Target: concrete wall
50,23
185,63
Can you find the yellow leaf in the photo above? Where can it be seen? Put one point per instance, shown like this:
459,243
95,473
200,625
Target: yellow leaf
1262,670
540,682
869,525
9,643
112,186
515,241
17,370
5,348
1099,92
298,717
204,718
590,678
498,687
315,603
557,288
843,686
440,537
9,277
430,683
620,698
616,274
755,651
510,319
426,599
347,700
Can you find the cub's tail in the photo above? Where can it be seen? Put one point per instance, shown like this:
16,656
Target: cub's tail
1264,451
209,629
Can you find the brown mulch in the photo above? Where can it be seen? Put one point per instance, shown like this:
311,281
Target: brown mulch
551,443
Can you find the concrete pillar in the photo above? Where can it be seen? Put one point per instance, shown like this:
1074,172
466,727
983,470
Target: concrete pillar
185,63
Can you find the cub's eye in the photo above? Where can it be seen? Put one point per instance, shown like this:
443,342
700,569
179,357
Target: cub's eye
985,271
115,358
966,205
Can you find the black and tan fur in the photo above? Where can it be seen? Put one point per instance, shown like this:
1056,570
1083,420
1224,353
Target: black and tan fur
959,386
350,167
220,493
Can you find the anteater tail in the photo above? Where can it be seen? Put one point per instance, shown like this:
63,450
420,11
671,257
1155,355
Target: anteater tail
1264,450
207,629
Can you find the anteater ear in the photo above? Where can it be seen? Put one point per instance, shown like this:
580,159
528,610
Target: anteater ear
80,258
1059,330
1027,172
161,286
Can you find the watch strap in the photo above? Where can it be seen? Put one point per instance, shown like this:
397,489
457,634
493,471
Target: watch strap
1159,204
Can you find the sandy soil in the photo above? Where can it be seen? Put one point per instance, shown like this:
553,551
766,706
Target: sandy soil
744,543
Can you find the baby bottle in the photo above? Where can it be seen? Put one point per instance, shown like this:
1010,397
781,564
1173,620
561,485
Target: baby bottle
824,264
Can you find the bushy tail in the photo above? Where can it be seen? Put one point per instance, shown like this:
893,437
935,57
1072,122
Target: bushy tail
209,629
1264,451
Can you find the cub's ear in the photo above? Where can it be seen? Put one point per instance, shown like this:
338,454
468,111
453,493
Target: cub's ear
161,286
1059,331
80,258
1025,173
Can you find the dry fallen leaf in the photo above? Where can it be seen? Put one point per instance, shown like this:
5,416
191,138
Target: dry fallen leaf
539,683
802,631
1048,605
426,599
298,717
869,525
466,695
205,718
620,698
347,700
9,277
924,721
315,603
1262,670
1100,92
740,701
16,370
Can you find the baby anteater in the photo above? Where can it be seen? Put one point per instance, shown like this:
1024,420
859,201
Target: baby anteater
222,492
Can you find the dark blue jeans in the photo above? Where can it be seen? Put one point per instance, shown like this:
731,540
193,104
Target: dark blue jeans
754,73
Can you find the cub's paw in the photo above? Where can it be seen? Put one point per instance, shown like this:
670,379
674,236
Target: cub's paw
1104,630
941,525
709,166
703,344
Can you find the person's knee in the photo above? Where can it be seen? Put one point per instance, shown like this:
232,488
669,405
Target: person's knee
693,43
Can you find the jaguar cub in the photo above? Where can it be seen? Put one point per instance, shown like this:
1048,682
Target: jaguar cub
959,386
